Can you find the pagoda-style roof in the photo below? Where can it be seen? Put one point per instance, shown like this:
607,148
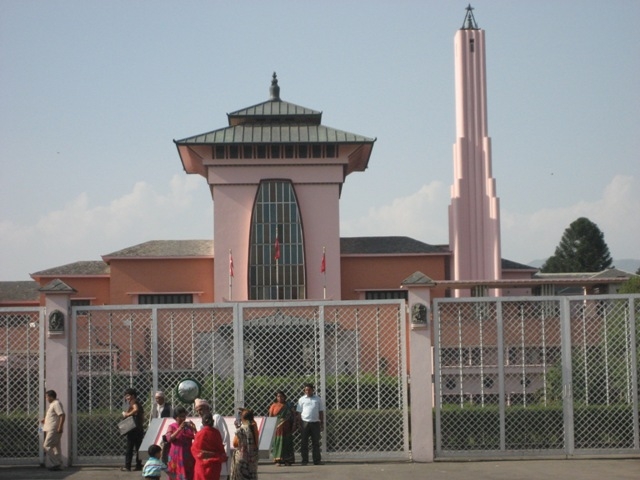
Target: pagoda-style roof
275,110
275,121
274,133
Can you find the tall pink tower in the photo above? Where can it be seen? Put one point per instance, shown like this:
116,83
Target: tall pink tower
474,213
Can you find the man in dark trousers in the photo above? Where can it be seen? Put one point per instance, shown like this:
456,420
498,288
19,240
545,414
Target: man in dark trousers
310,411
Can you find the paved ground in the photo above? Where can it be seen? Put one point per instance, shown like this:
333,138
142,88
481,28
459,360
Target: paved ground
579,469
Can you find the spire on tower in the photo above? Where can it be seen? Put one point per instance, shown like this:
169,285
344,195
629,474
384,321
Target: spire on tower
469,20
274,89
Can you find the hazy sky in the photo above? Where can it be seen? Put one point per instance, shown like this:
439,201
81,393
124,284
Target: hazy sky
92,93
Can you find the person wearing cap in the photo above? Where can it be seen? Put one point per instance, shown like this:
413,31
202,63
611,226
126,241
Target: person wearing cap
202,407
160,409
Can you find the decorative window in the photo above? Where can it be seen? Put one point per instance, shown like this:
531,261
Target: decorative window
162,298
80,302
472,45
386,295
275,150
276,257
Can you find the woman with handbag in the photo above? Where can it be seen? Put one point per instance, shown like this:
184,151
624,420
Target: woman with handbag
136,434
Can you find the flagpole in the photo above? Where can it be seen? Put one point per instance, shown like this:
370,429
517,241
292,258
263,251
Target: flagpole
324,273
230,275
277,257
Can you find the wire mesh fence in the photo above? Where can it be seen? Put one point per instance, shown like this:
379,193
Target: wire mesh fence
604,391
241,354
22,396
537,375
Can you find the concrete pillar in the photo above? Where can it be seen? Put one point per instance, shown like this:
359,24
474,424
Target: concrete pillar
420,366
57,357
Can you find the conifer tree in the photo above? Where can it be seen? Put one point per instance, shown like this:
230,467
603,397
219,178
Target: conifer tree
581,249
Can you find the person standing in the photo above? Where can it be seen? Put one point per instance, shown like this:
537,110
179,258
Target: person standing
134,436
244,463
310,411
208,451
160,409
202,407
282,447
53,423
180,435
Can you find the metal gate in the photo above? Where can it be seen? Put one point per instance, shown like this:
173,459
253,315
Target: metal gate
536,376
241,353
21,370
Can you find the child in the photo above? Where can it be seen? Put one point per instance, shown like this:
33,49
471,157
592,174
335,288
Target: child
154,466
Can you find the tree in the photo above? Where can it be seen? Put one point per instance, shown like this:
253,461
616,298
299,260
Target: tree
630,286
581,249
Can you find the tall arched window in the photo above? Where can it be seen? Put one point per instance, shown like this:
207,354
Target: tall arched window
276,257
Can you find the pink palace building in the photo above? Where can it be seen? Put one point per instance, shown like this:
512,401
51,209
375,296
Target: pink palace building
276,174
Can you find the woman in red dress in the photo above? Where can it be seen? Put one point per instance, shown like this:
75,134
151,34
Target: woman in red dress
208,451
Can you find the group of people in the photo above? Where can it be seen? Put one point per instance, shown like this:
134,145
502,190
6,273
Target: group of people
307,417
190,454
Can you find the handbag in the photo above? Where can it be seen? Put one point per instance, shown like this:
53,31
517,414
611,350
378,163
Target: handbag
126,425
166,446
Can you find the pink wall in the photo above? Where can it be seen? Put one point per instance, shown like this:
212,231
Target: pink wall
162,275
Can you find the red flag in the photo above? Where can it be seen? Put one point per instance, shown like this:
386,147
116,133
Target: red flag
230,264
277,254
323,265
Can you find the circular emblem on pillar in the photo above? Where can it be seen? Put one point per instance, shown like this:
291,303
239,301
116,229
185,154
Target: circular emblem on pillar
419,314
188,390
56,321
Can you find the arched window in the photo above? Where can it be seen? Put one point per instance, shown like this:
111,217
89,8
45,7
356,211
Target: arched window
276,257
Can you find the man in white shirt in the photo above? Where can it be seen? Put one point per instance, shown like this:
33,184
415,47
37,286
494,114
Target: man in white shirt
52,428
160,409
201,407
310,423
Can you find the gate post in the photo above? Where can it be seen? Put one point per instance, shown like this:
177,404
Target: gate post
421,366
57,359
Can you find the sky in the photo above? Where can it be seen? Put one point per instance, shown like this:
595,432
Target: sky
93,93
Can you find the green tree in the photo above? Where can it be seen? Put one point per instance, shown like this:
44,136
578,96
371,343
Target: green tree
631,286
581,249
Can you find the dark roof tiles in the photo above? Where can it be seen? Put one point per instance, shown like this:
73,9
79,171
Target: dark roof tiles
274,133
20,291
95,267
166,248
387,246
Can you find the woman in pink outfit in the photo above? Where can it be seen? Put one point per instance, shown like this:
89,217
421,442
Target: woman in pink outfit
180,436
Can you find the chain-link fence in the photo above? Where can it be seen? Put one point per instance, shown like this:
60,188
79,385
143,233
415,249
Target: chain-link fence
22,395
529,376
241,354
